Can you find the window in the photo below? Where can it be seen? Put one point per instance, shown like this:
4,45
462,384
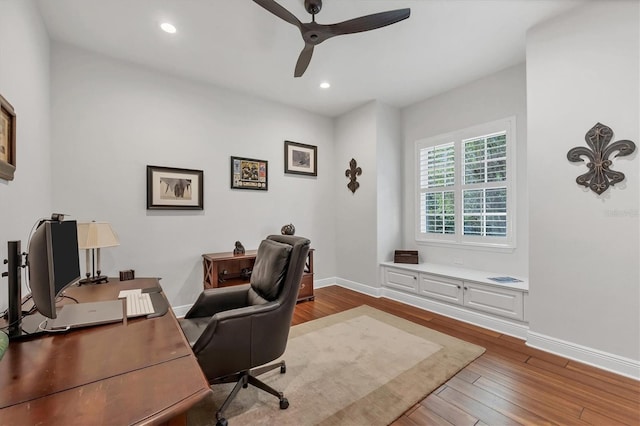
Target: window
465,182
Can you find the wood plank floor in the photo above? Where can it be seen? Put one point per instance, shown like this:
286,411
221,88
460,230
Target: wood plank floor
510,384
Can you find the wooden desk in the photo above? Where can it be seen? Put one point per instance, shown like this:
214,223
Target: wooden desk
141,371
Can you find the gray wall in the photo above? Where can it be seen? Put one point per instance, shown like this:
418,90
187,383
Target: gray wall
584,248
356,218
24,82
367,221
497,96
112,119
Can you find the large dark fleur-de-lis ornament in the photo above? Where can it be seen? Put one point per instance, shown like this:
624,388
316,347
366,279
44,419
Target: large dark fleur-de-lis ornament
600,176
352,172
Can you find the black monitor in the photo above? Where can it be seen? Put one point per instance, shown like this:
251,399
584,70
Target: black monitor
53,263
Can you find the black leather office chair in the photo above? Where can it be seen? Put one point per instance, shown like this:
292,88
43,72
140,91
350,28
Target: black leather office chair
233,330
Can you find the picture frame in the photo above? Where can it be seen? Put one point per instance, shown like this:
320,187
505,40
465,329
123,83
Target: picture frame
249,173
170,188
7,140
300,159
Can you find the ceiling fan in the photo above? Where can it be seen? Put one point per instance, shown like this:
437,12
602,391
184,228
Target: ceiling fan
314,33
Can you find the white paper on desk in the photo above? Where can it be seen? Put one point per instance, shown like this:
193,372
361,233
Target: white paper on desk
124,293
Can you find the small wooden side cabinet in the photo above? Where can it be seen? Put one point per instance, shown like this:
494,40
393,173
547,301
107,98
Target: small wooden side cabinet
227,269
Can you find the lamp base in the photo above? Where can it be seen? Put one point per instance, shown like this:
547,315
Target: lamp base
94,280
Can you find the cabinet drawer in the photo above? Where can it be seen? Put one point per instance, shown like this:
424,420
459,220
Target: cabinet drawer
440,288
494,300
401,280
306,287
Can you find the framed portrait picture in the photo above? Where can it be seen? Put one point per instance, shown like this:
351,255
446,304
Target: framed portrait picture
248,173
169,188
7,140
300,159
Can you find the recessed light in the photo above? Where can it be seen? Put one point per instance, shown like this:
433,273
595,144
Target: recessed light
325,85
167,27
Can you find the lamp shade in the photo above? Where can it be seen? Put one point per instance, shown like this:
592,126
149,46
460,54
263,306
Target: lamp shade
96,235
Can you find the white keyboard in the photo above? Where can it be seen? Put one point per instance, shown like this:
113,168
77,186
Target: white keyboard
138,304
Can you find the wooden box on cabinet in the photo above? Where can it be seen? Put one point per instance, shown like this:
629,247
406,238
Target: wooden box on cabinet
227,269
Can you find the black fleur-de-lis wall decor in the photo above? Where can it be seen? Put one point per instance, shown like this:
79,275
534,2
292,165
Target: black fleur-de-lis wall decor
352,173
600,176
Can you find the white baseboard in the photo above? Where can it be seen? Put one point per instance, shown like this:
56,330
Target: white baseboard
326,282
180,311
594,357
360,288
504,326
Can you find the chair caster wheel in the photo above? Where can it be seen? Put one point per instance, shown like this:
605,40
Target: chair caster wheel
283,369
246,385
222,422
284,404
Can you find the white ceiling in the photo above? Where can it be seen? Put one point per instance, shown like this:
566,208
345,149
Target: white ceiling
239,45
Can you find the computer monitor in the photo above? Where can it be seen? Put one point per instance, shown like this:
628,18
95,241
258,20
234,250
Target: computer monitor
53,263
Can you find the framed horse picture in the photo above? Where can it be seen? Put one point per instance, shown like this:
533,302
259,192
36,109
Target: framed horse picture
169,188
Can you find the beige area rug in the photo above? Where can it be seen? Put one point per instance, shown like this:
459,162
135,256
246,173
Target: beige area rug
358,367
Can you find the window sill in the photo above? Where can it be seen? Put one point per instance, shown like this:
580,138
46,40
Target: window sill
468,246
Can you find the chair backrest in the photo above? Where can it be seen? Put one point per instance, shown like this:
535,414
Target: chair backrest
269,271
270,333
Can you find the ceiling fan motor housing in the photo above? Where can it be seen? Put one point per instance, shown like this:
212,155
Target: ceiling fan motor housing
313,6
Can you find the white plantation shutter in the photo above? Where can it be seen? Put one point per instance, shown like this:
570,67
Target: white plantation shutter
485,168
485,212
437,166
437,171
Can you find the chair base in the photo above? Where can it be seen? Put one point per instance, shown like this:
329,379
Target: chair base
245,378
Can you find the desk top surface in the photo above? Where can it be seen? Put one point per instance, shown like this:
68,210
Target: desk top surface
122,373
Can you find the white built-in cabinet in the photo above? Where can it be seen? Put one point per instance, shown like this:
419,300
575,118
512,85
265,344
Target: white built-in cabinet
469,291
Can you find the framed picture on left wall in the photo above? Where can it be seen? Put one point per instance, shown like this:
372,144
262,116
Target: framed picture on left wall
7,140
169,188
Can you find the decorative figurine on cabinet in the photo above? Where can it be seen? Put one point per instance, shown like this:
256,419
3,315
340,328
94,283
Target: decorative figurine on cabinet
288,229
239,248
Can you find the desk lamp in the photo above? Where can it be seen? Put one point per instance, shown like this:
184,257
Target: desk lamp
92,236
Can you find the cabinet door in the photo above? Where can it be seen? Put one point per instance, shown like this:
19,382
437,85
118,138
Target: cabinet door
446,289
306,287
401,280
498,301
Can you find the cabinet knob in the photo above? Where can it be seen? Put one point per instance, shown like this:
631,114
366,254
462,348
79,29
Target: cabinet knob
466,288
302,285
458,287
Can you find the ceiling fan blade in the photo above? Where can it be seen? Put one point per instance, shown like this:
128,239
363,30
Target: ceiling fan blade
303,60
279,11
369,22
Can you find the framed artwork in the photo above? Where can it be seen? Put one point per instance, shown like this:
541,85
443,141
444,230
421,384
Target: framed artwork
169,188
300,159
247,173
7,140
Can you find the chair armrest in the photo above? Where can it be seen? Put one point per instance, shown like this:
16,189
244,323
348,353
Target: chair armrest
236,326
214,300
246,311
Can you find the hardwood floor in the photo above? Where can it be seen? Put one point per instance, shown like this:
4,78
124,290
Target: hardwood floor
510,384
